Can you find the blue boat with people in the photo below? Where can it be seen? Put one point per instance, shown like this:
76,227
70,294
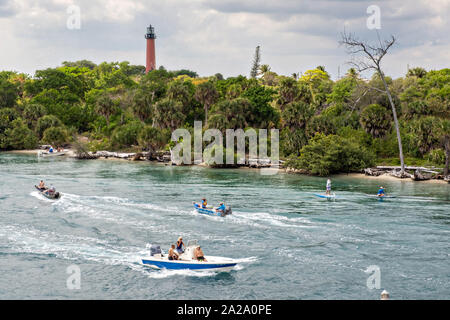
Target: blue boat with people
220,211
187,260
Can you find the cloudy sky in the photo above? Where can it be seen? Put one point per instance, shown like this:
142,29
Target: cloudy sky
210,36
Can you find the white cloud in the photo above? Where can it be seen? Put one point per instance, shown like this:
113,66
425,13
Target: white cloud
211,36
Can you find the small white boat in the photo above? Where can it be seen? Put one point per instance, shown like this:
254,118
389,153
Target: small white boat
158,260
44,154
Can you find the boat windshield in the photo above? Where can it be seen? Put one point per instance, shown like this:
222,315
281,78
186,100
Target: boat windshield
192,243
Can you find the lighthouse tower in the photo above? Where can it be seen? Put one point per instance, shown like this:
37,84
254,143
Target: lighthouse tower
151,59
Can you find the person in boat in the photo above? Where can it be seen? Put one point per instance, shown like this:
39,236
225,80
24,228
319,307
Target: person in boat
328,192
51,191
381,192
204,203
42,186
180,245
199,255
51,149
173,255
221,208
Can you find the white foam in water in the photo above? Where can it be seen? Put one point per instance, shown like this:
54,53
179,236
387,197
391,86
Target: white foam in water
30,240
255,219
39,196
164,273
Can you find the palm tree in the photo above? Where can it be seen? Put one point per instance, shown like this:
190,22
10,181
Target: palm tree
352,73
417,72
105,106
207,95
152,139
321,68
168,114
263,69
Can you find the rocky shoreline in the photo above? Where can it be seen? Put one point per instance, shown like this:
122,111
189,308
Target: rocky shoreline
412,173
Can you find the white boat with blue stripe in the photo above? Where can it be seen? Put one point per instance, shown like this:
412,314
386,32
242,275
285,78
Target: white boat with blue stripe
158,260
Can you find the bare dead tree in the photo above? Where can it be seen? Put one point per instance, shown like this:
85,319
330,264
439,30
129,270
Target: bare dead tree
368,57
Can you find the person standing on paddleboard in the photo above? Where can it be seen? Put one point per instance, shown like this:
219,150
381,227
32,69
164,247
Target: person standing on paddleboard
381,192
328,192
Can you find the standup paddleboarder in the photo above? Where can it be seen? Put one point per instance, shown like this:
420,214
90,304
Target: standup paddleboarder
381,192
328,192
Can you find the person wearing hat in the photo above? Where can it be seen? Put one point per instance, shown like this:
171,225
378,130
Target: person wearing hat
180,245
381,192
204,203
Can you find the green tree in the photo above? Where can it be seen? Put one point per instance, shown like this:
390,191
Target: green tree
425,131
7,115
288,92
55,136
153,139
444,134
45,122
207,95
18,136
417,72
105,106
142,104
126,135
261,114
376,120
168,114
8,92
256,63
32,112
80,64
325,155
230,114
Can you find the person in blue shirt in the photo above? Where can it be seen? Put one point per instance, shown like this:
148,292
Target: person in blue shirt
204,203
381,192
221,208
51,149
180,245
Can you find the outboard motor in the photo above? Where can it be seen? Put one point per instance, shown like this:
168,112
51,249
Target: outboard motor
155,249
227,211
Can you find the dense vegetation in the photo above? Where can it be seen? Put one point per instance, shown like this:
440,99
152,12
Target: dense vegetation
325,126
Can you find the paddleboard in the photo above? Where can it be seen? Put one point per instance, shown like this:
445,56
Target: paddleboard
331,196
383,197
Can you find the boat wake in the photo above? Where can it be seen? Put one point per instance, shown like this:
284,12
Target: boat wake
68,247
164,273
39,196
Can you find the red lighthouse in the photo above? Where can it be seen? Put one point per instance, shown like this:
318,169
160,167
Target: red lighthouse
151,58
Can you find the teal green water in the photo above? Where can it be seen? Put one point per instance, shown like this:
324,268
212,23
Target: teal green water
294,245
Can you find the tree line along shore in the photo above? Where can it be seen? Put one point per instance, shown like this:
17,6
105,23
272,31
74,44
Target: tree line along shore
326,126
